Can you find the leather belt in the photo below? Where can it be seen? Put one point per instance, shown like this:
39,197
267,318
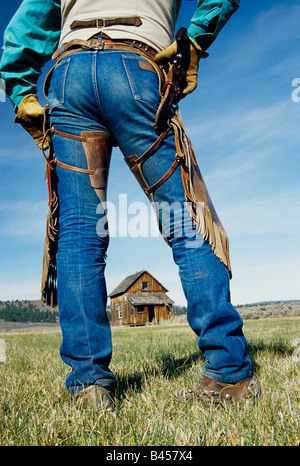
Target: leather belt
102,23
103,44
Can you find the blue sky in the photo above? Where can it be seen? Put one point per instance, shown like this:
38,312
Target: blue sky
243,120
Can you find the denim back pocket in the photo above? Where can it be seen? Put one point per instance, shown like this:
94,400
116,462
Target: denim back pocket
56,90
143,80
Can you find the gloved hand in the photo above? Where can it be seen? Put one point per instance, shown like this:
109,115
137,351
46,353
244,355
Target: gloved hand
196,52
31,116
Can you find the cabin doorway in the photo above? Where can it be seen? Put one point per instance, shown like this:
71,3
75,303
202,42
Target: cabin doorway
151,313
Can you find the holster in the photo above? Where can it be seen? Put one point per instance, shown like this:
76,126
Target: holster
97,150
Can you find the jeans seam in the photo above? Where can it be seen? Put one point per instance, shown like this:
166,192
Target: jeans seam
95,82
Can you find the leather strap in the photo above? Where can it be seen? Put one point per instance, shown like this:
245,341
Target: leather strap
68,135
151,149
72,168
164,178
102,23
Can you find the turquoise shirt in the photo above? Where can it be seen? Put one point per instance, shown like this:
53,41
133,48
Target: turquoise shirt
33,35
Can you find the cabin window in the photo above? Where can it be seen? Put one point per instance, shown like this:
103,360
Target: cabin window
119,310
140,309
145,286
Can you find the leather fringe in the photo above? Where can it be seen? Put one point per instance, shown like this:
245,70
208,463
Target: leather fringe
49,275
198,201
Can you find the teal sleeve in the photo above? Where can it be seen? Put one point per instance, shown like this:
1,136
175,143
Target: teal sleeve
209,19
29,41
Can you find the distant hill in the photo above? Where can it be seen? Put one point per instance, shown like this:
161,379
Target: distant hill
270,309
263,310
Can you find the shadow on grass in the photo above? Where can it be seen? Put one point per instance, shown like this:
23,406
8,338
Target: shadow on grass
278,346
170,367
167,366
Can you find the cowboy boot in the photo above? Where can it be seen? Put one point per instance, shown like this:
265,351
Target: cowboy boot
97,398
220,392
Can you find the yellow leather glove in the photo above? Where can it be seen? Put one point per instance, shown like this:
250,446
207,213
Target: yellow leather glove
31,116
196,53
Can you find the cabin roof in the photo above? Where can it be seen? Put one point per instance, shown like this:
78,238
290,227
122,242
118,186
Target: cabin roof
128,281
156,299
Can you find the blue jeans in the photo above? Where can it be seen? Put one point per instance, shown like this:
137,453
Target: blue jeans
109,91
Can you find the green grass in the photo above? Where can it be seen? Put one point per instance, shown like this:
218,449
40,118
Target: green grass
151,364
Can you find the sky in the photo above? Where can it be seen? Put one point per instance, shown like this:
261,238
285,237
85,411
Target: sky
243,121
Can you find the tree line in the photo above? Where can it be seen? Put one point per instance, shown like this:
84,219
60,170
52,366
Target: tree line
179,310
25,312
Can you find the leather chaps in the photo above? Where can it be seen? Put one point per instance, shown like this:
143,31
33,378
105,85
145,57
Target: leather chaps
97,149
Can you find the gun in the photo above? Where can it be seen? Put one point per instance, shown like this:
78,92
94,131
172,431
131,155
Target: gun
175,82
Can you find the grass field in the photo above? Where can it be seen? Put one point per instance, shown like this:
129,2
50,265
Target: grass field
151,364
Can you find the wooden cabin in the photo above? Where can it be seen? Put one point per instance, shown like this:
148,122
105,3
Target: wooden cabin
140,299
